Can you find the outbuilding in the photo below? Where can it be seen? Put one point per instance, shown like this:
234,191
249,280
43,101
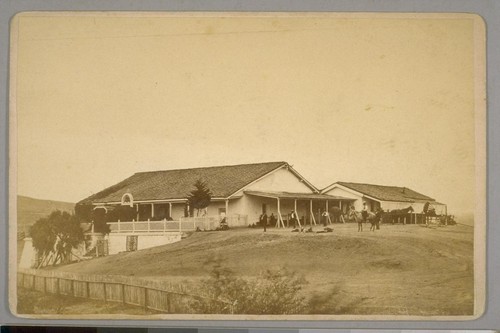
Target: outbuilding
388,198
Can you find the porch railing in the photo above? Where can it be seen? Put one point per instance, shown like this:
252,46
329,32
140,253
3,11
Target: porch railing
184,224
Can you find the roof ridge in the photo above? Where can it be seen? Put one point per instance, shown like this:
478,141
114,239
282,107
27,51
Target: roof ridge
373,185
211,167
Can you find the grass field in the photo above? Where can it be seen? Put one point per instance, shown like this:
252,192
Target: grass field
400,269
34,302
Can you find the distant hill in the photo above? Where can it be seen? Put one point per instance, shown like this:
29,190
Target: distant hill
29,210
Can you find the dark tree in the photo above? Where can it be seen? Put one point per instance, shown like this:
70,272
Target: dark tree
200,197
55,236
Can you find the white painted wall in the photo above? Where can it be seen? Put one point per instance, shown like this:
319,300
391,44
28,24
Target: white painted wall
177,211
251,206
392,205
118,242
358,204
28,256
280,180
213,209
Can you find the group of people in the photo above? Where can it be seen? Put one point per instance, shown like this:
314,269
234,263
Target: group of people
263,219
293,218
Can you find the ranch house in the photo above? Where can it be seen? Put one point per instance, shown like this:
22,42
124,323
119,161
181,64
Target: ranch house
388,198
154,204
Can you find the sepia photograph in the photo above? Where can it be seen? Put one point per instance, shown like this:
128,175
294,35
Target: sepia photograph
260,166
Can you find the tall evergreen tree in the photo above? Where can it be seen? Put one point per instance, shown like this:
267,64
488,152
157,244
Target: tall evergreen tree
200,197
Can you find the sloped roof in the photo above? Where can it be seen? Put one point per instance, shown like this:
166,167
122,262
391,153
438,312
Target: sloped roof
387,193
295,195
176,184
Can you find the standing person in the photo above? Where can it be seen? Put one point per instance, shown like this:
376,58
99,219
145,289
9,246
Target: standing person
263,220
293,218
272,220
364,212
324,217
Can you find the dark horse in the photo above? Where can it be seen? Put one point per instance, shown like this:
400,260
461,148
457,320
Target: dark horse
397,213
336,214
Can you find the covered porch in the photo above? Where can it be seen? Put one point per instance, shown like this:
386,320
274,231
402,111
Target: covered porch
308,207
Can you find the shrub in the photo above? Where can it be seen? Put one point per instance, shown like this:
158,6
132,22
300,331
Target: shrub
272,292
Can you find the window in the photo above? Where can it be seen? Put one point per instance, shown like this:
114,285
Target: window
127,199
132,243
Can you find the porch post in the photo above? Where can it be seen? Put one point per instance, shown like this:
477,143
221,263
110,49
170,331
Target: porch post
227,208
280,218
137,210
170,209
152,210
327,213
295,210
313,220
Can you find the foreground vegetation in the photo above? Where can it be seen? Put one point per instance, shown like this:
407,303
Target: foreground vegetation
409,270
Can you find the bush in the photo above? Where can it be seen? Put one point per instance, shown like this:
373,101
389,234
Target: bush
56,234
272,292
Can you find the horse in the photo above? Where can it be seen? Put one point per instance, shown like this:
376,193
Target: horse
396,213
372,218
336,213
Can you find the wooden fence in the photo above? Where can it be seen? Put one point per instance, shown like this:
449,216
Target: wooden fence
150,295
184,224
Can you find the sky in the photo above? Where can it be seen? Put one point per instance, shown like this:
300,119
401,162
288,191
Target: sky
383,99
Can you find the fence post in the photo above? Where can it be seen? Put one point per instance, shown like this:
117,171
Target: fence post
44,284
168,302
123,293
57,286
33,286
145,299
72,287
104,290
87,286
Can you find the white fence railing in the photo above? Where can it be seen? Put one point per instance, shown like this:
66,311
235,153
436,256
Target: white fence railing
184,224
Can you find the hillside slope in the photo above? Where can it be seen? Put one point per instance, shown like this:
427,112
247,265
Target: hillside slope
397,270
29,210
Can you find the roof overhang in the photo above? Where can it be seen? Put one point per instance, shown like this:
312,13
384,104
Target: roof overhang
296,196
350,190
156,201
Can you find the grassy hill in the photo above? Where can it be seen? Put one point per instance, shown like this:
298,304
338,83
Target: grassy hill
29,210
399,269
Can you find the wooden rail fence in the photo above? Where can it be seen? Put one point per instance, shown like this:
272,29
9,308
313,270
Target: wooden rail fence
150,295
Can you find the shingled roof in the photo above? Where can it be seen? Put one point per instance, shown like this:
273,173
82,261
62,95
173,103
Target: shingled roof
387,193
176,184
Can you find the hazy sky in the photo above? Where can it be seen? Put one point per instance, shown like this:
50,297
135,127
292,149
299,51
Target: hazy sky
376,100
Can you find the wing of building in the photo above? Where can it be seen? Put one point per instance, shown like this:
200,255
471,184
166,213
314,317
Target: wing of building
385,197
